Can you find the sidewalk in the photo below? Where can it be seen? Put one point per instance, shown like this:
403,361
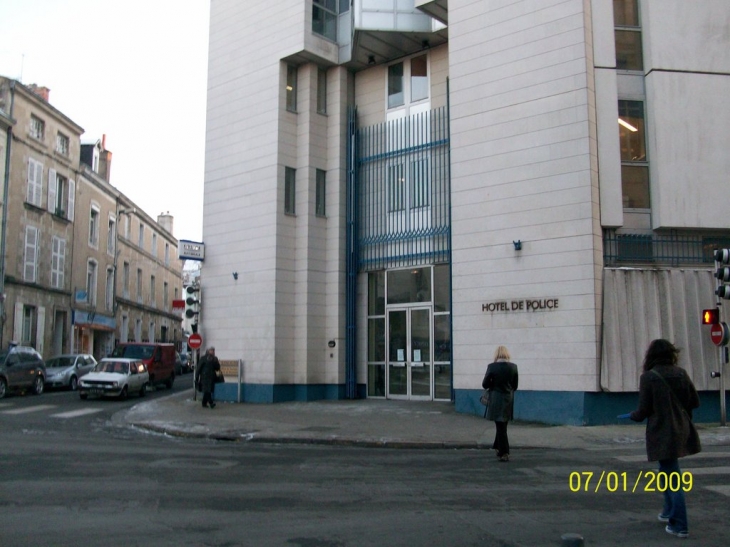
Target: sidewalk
371,423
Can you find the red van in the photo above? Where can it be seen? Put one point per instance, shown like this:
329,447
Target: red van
159,358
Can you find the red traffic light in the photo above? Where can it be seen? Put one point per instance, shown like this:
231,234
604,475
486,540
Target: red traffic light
711,316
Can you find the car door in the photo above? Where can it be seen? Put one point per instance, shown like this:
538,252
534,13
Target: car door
14,369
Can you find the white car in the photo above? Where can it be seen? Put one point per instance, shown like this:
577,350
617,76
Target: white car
115,377
65,370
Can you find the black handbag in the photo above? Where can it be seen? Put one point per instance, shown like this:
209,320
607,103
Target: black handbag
219,379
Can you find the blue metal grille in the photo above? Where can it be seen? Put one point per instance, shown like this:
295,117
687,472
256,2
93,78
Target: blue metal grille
403,192
672,249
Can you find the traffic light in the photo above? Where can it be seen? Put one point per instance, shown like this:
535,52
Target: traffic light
192,302
711,316
722,273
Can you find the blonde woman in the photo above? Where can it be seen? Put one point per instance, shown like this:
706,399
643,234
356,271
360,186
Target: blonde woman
501,380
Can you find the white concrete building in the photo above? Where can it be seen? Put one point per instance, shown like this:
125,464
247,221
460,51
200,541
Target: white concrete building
402,185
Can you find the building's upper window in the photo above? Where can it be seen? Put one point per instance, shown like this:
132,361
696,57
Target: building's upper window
291,88
139,285
167,254
322,91
58,262
37,128
62,144
320,193
408,82
109,300
628,35
61,195
153,249
634,164
91,282
125,280
140,241
290,182
165,296
153,296
35,183
324,18
111,236
30,258
94,218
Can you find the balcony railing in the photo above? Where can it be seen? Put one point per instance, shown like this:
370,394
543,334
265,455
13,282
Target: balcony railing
670,249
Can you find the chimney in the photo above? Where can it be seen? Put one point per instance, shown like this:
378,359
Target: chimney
40,91
105,160
165,220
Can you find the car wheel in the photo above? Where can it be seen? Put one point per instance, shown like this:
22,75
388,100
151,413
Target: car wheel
83,396
38,385
143,390
3,388
124,393
73,383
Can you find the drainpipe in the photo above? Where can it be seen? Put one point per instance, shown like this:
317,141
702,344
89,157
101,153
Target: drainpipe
6,185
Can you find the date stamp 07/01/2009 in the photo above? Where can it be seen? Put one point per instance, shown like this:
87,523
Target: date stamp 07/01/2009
615,481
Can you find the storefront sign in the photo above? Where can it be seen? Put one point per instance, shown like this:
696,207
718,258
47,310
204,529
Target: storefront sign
527,304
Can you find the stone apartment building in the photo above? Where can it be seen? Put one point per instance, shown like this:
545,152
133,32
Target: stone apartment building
62,251
402,186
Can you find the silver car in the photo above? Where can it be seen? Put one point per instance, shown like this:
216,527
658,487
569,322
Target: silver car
115,377
65,370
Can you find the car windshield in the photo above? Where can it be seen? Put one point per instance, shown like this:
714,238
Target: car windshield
112,366
133,352
60,362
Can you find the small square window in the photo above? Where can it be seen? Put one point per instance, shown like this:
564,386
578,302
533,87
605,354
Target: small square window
37,128
62,144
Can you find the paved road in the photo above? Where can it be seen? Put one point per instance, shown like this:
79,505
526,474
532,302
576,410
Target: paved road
109,484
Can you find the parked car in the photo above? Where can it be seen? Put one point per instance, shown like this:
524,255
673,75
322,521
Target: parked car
187,366
65,370
115,377
21,367
159,358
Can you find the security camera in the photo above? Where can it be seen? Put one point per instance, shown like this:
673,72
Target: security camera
715,374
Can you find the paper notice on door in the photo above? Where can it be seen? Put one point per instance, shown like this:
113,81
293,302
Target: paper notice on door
417,355
401,355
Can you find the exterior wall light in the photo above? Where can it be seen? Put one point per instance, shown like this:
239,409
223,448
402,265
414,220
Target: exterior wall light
235,275
518,245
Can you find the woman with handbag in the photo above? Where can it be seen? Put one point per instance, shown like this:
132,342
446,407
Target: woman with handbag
501,382
667,397
205,376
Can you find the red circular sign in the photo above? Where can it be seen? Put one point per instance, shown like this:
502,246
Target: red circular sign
195,341
719,334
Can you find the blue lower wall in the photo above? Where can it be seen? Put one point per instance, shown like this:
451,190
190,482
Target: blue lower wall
548,407
580,408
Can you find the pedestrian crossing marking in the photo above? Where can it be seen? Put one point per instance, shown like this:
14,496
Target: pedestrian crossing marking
720,489
700,456
77,413
29,409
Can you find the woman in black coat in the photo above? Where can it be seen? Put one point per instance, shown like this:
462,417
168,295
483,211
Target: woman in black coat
501,380
666,399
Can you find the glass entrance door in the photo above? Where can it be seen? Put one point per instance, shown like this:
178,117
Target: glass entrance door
409,353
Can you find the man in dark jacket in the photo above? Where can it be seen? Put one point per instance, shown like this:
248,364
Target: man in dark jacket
205,375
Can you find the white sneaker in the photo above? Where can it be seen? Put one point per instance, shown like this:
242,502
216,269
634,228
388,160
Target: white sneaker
681,534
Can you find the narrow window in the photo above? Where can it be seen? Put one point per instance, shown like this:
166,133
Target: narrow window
153,250
58,262
94,226
109,300
320,192
290,182
634,164
111,237
125,280
627,34
37,128
322,91
62,144
91,282
35,182
152,290
396,188
165,295
291,88
167,254
30,261
395,85
140,240
419,78
139,285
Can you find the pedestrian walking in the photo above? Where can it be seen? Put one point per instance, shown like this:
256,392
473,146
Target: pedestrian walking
205,376
501,382
666,399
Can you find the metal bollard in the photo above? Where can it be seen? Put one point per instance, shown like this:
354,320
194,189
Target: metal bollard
572,540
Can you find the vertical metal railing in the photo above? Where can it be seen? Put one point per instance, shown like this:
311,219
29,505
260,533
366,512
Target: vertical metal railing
403,192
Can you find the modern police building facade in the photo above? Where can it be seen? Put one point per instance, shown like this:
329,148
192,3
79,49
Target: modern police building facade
395,187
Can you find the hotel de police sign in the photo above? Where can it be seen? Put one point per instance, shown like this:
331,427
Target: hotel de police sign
527,304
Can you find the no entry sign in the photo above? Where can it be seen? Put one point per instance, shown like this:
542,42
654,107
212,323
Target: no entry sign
719,334
195,341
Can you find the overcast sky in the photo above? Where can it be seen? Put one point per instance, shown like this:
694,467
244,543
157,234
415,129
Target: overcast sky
134,70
